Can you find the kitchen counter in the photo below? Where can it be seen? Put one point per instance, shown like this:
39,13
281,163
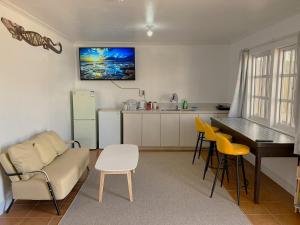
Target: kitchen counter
198,111
164,129
200,108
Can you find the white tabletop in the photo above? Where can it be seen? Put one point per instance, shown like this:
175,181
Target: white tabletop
117,158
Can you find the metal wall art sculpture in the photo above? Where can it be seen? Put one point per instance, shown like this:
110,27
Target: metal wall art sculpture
33,38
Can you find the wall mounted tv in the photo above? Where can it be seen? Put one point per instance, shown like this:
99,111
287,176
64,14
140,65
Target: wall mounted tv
107,63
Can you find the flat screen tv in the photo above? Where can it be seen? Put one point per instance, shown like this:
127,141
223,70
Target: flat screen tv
105,63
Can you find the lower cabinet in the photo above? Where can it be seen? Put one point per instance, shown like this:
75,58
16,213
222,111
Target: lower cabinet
132,128
151,130
169,130
163,130
188,134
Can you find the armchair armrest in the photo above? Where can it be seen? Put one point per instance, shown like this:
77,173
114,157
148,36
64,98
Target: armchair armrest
36,171
74,142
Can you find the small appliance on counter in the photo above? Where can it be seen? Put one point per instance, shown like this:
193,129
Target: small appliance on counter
142,105
130,105
223,106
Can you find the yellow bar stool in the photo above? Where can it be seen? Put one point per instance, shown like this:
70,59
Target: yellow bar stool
210,136
231,149
199,127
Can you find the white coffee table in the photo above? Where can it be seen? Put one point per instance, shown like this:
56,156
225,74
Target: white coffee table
117,159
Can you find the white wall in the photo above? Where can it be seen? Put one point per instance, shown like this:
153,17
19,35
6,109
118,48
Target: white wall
282,170
34,86
196,73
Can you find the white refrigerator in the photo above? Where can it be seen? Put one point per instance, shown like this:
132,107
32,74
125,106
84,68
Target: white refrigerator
84,118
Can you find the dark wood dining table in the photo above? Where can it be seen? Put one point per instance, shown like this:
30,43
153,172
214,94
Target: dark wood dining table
263,142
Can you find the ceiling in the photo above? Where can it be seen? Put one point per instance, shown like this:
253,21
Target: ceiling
174,21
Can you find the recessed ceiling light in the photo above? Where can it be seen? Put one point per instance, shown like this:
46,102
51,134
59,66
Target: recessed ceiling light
149,30
149,33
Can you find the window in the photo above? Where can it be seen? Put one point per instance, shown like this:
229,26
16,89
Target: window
287,75
261,76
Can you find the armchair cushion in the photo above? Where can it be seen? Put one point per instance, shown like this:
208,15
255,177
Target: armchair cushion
25,158
59,145
63,172
45,148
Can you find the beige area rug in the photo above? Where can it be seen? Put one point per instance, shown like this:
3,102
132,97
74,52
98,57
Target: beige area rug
167,190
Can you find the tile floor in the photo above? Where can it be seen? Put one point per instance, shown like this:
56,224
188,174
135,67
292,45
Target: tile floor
276,207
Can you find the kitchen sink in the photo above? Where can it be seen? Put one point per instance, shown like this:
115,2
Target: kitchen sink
170,110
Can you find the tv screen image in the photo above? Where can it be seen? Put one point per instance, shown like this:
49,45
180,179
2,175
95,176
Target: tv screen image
107,63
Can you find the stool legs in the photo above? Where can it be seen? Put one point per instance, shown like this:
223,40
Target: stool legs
216,176
244,175
201,142
225,170
237,180
196,148
239,161
210,152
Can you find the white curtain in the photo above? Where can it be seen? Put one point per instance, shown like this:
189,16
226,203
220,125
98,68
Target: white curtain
297,103
239,98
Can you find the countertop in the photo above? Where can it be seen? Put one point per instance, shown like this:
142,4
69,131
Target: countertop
201,109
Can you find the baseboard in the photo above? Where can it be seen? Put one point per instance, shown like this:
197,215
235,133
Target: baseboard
283,183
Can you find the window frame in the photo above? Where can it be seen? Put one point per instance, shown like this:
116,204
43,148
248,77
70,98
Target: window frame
279,75
264,121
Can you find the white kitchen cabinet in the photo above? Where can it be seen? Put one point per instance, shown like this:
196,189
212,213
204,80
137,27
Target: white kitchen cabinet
151,130
188,135
169,130
132,129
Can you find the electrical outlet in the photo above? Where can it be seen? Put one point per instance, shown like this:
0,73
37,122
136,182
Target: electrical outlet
142,93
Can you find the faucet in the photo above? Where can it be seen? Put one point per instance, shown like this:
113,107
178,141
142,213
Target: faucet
174,98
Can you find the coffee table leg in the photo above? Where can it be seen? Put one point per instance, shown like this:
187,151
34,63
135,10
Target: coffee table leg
129,185
102,177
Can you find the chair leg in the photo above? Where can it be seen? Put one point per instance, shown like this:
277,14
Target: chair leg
211,156
53,198
237,180
225,170
244,175
216,176
196,148
210,150
10,205
201,142
217,154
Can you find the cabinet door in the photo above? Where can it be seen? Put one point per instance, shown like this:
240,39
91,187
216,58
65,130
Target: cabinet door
151,130
132,129
169,130
188,134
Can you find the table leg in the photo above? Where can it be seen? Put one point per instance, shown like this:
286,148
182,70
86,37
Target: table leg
129,186
257,178
102,177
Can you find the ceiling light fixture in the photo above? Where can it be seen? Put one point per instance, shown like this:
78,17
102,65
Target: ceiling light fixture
149,30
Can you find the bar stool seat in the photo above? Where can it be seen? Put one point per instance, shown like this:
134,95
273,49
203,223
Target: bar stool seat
215,129
200,137
210,136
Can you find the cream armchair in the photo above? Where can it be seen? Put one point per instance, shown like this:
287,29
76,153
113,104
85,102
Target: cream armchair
44,168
